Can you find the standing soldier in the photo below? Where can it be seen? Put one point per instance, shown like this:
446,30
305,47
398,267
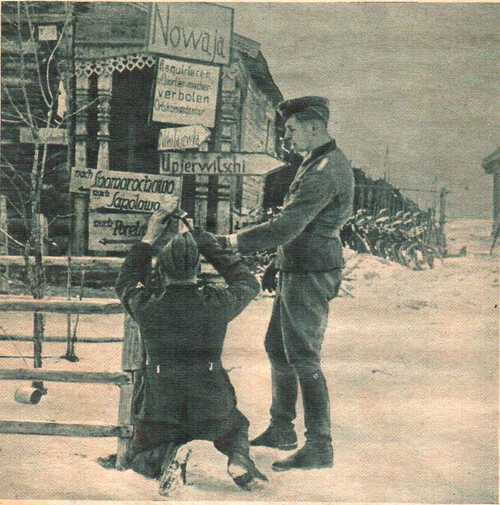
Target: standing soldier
309,261
186,394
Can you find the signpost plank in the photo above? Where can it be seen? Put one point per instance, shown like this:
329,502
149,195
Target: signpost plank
132,191
191,31
185,93
217,163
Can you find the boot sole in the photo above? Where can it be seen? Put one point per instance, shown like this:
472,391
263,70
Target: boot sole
315,467
288,447
174,475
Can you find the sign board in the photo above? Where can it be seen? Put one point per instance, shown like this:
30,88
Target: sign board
131,191
185,93
203,163
185,137
115,232
81,179
47,32
56,136
191,31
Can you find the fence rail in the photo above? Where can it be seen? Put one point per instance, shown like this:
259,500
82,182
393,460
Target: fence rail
116,378
61,305
64,429
132,355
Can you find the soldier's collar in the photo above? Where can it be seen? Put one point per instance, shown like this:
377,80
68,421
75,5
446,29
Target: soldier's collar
319,152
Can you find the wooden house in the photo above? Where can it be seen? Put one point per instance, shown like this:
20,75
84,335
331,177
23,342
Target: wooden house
108,80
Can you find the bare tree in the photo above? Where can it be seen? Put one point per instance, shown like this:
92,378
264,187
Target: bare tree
42,82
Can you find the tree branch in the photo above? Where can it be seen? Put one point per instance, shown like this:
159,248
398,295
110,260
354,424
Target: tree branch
37,60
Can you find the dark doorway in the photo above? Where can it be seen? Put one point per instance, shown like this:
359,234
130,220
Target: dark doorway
134,139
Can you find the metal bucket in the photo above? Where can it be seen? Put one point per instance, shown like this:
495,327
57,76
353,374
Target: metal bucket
28,394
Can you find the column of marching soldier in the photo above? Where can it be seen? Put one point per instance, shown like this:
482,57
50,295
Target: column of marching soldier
183,392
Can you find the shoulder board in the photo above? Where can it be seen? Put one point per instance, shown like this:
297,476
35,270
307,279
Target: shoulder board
322,164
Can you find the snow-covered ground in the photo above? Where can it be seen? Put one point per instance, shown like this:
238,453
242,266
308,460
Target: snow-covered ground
412,365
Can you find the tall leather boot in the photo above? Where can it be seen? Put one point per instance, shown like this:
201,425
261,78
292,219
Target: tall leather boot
281,434
318,450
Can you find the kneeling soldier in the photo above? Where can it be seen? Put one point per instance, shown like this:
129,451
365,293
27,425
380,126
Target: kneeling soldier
186,394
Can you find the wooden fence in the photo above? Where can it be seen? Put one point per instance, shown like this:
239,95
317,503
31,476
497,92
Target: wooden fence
132,360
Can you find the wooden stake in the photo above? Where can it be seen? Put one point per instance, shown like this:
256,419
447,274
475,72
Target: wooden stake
4,276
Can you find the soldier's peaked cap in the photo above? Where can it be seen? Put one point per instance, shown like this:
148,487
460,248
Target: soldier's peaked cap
317,105
180,257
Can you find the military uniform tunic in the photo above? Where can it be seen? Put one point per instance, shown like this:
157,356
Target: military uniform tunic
309,257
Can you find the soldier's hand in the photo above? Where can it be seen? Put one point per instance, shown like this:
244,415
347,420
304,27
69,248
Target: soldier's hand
269,278
204,239
223,241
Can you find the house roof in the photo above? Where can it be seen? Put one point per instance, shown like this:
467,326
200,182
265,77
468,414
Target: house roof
111,29
491,162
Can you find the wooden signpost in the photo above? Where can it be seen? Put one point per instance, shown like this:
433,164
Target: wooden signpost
132,191
217,163
185,137
185,93
191,31
56,136
115,232
81,180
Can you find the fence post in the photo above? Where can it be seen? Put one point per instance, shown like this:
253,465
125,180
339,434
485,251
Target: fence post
442,220
133,361
38,317
4,275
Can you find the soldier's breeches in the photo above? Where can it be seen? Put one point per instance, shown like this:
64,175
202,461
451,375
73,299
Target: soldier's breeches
283,377
293,343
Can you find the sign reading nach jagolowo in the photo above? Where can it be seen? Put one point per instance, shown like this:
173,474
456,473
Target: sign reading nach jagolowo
217,163
131,191
191,31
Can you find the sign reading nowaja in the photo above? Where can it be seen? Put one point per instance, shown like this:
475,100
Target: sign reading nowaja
191,31
221,163
131,191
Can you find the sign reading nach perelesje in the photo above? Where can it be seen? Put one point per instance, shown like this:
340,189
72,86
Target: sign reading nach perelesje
191,31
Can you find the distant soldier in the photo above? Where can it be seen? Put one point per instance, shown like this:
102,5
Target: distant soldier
309,261
186,394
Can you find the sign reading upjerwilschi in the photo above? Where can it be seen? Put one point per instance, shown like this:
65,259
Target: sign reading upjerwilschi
191,31
185,93
217,163
130,191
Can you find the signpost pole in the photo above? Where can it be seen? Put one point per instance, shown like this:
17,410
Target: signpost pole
80,201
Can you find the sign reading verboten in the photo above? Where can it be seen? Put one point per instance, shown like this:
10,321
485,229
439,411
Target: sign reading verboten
191,31
185,93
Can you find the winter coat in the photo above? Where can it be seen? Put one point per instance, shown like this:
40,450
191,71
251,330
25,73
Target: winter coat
183,331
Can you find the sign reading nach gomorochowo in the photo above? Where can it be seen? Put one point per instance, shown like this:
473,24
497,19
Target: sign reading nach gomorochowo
191,31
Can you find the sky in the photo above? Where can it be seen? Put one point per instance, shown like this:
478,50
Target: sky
420,80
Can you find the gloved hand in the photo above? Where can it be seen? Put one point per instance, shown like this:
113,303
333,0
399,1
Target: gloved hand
269,280
223,241
204,239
